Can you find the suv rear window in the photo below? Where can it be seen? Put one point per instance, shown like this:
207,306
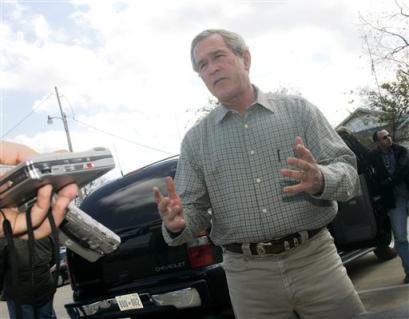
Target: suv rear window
128,201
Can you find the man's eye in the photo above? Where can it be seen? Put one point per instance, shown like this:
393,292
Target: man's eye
202,66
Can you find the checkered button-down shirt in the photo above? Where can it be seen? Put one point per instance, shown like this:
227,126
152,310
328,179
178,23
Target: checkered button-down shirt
231,164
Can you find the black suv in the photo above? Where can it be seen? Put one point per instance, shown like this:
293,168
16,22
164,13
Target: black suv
145,277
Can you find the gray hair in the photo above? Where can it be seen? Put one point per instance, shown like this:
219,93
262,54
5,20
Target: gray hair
232,40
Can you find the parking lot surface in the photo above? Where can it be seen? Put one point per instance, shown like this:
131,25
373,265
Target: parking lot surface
380,284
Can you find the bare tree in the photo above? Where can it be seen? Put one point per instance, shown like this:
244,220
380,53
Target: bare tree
281,90
387,38
197,114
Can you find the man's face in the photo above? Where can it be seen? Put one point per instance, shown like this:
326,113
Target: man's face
384,139
225,74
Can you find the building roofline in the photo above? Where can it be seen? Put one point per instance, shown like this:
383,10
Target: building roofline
361,110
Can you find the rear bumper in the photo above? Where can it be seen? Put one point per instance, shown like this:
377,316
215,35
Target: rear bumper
198,295
134,303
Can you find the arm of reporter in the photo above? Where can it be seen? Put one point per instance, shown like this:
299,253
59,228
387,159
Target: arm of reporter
13,153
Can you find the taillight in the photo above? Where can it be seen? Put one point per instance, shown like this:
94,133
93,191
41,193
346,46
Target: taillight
200,252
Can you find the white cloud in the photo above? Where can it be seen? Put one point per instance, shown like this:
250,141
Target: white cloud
123,67
41,28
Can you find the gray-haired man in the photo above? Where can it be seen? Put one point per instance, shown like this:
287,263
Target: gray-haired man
270,168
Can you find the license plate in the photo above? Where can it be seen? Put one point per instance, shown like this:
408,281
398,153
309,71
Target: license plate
129,302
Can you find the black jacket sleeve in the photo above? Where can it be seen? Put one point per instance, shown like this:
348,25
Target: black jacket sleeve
402,165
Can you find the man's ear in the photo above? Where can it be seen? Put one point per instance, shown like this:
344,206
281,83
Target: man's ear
247,59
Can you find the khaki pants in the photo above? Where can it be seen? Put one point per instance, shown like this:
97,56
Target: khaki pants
309,281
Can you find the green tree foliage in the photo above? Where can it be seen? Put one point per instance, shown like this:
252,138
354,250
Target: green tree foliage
392,99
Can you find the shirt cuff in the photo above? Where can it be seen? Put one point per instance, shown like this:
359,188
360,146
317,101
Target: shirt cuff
173,239
329,184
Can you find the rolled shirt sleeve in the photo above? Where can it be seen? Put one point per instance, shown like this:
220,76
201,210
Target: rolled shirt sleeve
191,187
335,160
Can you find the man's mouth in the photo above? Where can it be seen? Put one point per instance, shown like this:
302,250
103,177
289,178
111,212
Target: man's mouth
218,80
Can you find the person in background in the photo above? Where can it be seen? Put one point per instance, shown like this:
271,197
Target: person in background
361,151
36,289
271,168
391,164
12,154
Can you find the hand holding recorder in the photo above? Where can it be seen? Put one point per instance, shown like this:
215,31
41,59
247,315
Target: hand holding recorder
13,154
62,174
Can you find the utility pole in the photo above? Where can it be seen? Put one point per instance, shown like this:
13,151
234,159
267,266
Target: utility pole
67,132
64,120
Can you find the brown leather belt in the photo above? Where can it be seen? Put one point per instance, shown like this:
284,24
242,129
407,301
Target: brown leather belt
273,247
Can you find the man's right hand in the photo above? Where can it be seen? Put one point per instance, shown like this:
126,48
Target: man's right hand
170,207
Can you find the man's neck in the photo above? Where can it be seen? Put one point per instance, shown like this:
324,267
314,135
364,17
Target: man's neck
243,102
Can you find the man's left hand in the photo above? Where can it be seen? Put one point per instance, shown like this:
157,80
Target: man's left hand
306,171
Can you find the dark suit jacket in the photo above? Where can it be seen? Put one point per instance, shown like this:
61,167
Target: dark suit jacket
385,182
36,284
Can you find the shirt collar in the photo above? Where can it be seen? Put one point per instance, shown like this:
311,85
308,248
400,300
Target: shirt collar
261,99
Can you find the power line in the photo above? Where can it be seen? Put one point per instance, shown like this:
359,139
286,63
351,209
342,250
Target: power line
69,104
122,138
27,116
73,112
108,133
82,123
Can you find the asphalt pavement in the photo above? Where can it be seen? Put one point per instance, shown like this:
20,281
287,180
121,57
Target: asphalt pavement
380,284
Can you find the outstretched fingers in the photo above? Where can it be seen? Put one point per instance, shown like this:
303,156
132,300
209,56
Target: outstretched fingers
303,152
157,195
171,188
299,164
304,170
298,175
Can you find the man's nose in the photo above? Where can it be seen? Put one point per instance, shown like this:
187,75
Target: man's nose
213,67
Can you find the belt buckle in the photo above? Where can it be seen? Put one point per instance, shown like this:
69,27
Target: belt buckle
261,250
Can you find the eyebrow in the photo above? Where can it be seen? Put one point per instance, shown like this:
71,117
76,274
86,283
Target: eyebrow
212,54
217,51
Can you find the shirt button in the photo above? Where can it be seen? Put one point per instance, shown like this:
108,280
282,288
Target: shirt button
264,210
252,152
246,125
258,180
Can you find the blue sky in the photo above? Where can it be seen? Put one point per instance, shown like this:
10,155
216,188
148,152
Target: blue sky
123,68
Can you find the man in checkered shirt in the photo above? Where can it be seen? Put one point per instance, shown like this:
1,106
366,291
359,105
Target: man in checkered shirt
265,172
